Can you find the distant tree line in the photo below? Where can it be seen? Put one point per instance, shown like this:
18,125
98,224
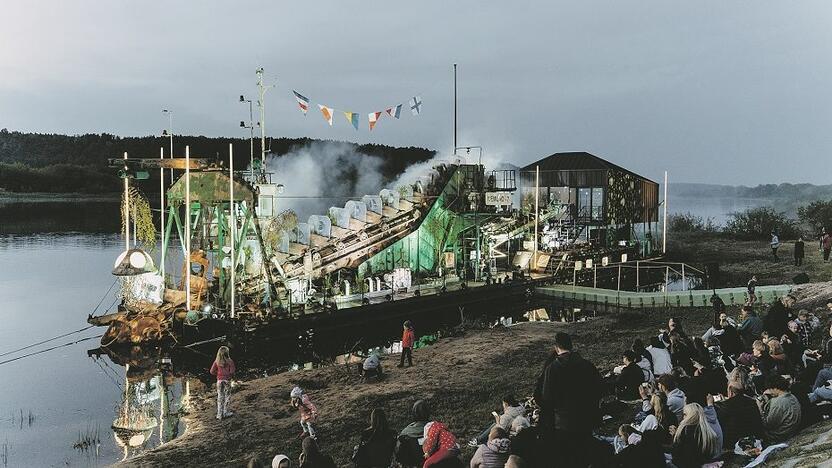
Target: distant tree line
759,223
36,162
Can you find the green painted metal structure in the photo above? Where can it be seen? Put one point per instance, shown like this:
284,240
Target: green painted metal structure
612,299
439,231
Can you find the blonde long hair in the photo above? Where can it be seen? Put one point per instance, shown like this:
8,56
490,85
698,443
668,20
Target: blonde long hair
223,356
695,417
660,410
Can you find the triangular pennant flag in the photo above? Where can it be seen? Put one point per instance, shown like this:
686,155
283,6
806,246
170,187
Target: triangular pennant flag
352,118
395,111
416,105
303,101
373,117
327,113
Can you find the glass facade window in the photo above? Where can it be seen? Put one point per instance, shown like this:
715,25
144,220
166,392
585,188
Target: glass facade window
584,202
598,204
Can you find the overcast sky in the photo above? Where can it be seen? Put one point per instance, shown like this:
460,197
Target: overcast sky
724,91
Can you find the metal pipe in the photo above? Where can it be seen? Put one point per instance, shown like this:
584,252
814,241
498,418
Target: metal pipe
232,219
684,285
618,288
188,228
454,105
126,206
162,211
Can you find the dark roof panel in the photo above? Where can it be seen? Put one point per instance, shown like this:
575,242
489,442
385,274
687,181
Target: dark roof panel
576,161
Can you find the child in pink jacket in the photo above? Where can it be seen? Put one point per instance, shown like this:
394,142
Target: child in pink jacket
307,410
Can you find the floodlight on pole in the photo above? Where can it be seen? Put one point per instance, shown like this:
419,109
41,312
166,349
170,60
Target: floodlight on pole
250,126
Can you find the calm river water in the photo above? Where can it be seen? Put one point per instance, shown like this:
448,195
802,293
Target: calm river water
57,408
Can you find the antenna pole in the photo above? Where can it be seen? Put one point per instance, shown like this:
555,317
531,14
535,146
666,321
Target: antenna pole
162,211
454,105
261,102
664,224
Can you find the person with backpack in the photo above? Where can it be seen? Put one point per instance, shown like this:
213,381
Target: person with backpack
408,446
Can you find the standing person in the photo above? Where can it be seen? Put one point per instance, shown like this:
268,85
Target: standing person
223,368
568,392
775,244
408,339
752,288
375,450
307,410
799,252
825,244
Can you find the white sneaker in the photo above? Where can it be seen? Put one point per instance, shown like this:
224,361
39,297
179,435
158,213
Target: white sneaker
473,443
219,417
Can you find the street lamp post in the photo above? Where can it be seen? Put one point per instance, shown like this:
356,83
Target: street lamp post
169,133
250,126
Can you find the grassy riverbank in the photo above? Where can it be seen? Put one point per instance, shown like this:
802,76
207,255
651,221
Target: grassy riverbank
739,259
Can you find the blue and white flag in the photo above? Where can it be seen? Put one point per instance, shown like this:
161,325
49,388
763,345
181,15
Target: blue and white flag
395,112
416,105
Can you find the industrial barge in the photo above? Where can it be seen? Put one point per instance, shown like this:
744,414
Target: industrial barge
448,240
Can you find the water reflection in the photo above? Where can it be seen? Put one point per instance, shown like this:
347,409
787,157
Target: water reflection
154,399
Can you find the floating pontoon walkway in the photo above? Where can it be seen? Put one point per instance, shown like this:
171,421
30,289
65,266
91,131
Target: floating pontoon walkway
604,299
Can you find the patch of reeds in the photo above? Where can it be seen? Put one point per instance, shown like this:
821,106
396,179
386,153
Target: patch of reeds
89,440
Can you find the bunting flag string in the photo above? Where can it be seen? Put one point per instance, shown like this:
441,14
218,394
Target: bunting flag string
327,113
303,101
416,105
352,118
373,118
395,112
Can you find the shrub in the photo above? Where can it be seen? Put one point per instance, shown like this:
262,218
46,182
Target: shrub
688,222
758,223
817,215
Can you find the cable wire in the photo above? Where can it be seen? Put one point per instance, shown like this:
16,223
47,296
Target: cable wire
50,349
45,341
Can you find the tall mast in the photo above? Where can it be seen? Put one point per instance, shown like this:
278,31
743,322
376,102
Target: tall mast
454,107
162,210
261,102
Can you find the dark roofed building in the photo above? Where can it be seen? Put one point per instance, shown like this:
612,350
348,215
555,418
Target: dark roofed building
611,202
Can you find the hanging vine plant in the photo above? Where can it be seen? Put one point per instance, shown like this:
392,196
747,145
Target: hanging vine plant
141,217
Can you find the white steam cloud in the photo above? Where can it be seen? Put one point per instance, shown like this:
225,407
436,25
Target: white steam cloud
324,174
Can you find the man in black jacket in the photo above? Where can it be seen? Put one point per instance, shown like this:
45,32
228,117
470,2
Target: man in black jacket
568,392
739,417
798,252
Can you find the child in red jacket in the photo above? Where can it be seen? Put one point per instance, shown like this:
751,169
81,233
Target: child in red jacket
408,339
